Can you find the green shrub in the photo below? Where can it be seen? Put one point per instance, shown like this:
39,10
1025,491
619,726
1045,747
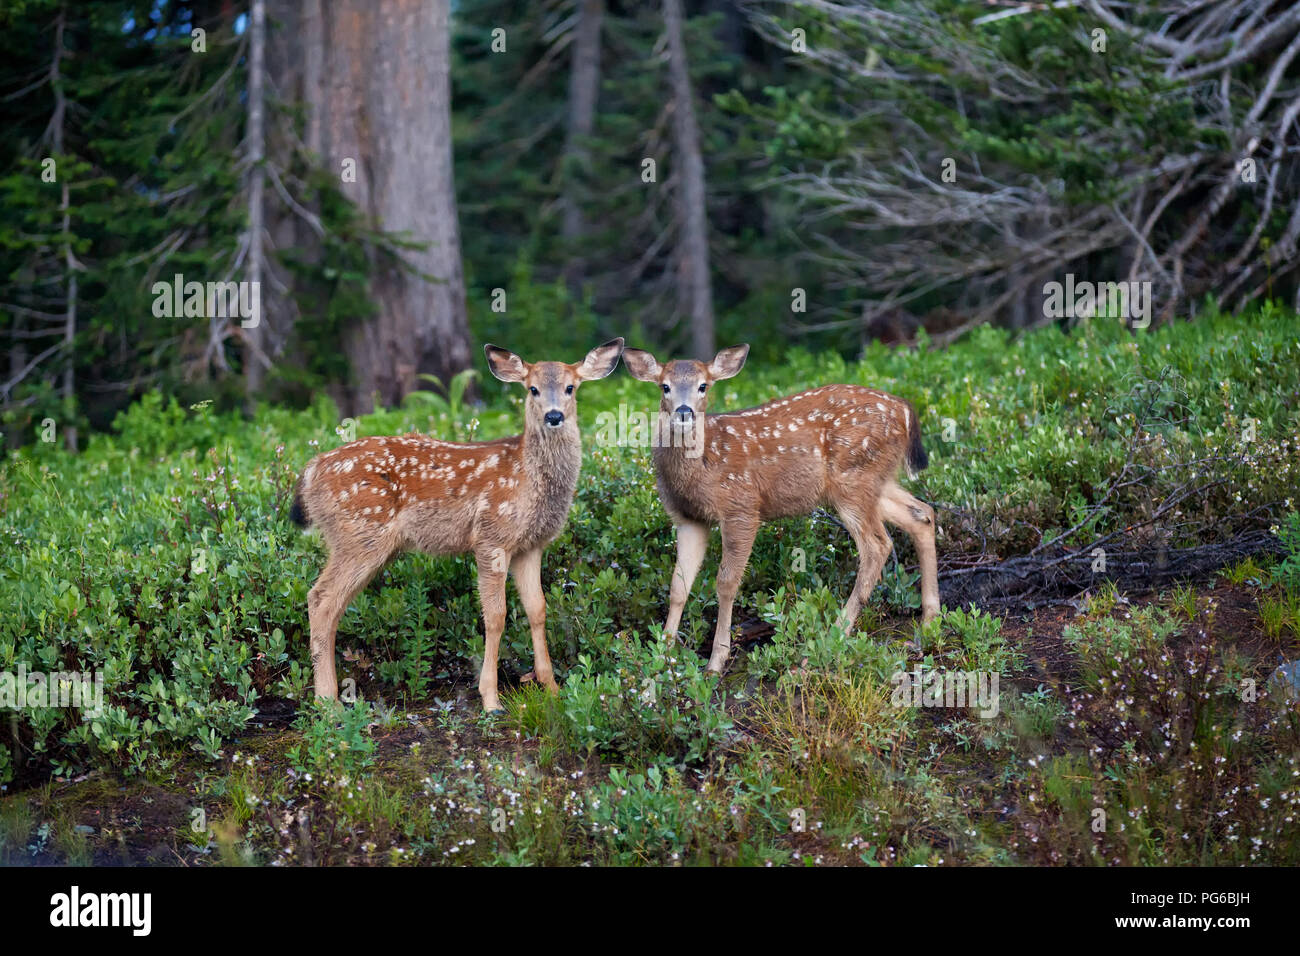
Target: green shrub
334,739
1287,571
657,701
162,556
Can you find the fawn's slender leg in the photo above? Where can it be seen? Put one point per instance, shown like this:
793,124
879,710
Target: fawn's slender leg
899,507
853,606
338,584
527,569
873,548
737,541
692,543
492,565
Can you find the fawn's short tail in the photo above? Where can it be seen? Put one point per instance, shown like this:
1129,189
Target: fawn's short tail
298,511
917,459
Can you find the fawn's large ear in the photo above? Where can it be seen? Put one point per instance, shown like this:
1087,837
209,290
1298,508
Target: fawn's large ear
642,365
505,365
601,360
728,362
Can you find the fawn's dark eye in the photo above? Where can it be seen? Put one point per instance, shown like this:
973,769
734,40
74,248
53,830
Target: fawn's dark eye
569,390
703,386
533,389
666,389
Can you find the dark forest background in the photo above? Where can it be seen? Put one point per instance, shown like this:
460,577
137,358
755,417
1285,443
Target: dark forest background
407,179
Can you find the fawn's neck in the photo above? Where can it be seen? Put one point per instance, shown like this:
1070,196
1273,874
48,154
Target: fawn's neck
682,468
681,449
552,461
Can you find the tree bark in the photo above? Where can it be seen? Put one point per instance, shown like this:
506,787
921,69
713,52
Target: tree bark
695,296
584,90
69,260
378,97
292,41
255,334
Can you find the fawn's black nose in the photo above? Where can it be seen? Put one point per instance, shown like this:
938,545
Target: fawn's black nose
554,419
685,413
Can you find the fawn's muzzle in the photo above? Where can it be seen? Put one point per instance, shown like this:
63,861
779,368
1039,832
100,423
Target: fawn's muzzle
684,414
554,419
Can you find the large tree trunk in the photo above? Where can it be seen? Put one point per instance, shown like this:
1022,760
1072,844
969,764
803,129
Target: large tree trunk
294,50
695,296
255,361
378,99
69,261
584,88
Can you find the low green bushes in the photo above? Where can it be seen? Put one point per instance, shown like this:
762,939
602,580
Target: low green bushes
162,556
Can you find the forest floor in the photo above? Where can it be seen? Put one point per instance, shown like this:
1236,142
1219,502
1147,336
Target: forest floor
258,805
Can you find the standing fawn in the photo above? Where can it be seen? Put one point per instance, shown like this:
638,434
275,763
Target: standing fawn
503,500
839,445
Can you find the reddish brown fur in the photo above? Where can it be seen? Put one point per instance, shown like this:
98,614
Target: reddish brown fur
788,456
502,500
837,446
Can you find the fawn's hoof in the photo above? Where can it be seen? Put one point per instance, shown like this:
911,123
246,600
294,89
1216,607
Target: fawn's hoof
495,711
